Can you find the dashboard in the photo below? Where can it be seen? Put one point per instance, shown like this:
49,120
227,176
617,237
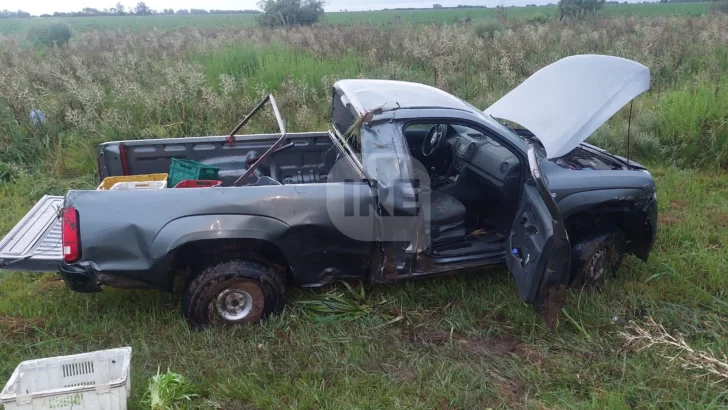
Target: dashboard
494,164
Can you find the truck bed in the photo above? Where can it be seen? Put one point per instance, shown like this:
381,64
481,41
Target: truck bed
136,219
308,160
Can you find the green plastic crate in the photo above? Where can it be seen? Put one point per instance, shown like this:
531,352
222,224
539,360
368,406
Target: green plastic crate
182,169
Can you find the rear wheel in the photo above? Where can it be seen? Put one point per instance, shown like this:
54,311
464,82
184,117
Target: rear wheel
596,257
232,292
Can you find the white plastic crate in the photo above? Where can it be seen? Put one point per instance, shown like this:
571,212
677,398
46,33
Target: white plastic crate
88,381
121,186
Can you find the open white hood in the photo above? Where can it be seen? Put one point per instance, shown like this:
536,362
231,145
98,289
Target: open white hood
565,102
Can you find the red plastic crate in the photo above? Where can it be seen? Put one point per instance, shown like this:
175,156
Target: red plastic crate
197,183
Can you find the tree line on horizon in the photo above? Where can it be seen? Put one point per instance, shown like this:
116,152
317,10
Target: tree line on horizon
141,9
279,13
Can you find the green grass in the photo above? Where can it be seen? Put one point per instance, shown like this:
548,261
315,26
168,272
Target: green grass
270,66
132,23
692,119
461,342
167,390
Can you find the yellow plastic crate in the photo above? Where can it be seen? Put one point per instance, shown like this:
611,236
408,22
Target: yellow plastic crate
127,186
111,181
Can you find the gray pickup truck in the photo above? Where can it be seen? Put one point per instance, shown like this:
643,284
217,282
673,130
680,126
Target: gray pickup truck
409,182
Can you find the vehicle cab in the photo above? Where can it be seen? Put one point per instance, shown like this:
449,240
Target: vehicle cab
456,189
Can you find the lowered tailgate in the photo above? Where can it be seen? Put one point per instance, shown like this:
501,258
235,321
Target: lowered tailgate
34,244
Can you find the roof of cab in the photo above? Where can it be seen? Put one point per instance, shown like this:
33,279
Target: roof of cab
369,95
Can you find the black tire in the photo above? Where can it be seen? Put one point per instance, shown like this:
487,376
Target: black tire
596,257
232,292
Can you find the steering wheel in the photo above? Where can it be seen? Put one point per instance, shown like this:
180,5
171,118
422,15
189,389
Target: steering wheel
433,139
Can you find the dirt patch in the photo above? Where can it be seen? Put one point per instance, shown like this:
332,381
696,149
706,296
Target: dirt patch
664,220
50,282
678,204
389,269
552,305
529,354
17,327
667,220
511,391
495,345
500,345
670,218
722,220
428,337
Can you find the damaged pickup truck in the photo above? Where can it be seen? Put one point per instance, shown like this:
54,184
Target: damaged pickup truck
409,182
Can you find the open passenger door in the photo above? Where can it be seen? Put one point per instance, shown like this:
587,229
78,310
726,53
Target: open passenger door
34,244
539,252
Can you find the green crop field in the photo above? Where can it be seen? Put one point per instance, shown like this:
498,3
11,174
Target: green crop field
217,21
131,23
454,343
455,15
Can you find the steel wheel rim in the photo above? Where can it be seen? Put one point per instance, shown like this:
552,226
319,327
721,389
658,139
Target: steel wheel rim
601,263
234,304
597,266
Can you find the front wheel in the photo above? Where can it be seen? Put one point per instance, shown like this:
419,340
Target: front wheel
596,257
232,292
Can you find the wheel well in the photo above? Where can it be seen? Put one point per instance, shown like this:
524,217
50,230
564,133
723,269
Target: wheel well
625,217
190,258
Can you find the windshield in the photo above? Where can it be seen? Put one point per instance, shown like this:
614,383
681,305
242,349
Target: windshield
500,127
492,122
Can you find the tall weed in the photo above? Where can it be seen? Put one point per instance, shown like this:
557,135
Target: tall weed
693,123
111,85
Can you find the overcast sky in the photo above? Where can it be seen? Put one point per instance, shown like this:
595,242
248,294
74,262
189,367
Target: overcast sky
37,7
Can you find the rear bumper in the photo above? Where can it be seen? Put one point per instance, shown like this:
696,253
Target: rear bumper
79,278
83,277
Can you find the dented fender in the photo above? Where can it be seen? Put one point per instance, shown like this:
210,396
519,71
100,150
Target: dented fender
210,227
583,201
639,208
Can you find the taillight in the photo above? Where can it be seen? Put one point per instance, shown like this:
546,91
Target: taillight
70,236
